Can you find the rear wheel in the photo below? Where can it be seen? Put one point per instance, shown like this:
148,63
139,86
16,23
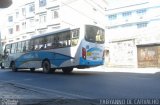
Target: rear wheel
1,64
13,67
67,70
46,66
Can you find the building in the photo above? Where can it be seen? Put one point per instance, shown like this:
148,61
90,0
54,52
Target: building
35,17
133,35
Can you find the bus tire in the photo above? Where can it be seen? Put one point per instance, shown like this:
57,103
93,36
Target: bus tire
46,66
67,70
13,67
2,67
32,69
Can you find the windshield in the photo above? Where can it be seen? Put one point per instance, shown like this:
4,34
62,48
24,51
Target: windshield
94,34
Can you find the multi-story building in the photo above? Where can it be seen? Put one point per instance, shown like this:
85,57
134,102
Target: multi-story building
133,35
35,17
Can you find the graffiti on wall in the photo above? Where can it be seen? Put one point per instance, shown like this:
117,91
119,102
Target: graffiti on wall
148,53
122,52
148,56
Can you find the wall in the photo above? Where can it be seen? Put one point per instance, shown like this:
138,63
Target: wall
122,53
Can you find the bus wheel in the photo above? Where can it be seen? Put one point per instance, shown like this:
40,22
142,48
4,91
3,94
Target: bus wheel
13,67
67,70
32,69
46,67
2,67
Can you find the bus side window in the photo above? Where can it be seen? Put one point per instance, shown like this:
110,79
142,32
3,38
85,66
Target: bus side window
49,42
32,47
24,48
13,48
27,45
16,48
36,47
19,47
56,41
75,36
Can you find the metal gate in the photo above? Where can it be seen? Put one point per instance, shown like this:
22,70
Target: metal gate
148,56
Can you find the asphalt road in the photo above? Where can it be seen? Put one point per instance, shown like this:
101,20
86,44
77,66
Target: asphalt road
87,84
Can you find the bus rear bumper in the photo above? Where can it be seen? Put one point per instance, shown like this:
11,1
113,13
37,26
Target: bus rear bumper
88,63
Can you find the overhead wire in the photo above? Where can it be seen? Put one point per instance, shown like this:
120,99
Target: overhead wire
80,11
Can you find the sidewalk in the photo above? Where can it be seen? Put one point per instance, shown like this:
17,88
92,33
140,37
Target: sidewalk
128,70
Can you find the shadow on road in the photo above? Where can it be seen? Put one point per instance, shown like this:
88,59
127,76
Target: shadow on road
57,72
88,73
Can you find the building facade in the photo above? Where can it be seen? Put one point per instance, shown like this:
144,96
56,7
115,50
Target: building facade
133,35
36,17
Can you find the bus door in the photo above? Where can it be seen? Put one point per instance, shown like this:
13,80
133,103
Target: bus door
6,58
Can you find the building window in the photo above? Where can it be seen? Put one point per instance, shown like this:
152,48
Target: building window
42,3
17,14
23,25
55,14
142,25
125,14
141,11
42,31
17,28
31,8
10,19
112,17
31,22
10,30
23,11
42,18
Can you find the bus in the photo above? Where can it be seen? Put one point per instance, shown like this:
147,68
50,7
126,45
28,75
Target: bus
66,49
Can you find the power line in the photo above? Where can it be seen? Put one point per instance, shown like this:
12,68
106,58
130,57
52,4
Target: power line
78,11
97,5
82,12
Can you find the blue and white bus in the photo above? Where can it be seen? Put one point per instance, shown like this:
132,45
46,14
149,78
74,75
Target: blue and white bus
65,49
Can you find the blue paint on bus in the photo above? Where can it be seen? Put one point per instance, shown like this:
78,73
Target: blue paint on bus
54,58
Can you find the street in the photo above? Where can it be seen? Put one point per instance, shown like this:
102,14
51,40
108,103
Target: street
84,84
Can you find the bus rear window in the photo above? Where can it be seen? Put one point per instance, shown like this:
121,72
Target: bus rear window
94,34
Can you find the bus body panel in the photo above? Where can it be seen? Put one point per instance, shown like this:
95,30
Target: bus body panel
94,54
35,58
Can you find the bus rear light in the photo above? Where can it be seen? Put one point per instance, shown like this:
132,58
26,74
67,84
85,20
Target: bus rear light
83,53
